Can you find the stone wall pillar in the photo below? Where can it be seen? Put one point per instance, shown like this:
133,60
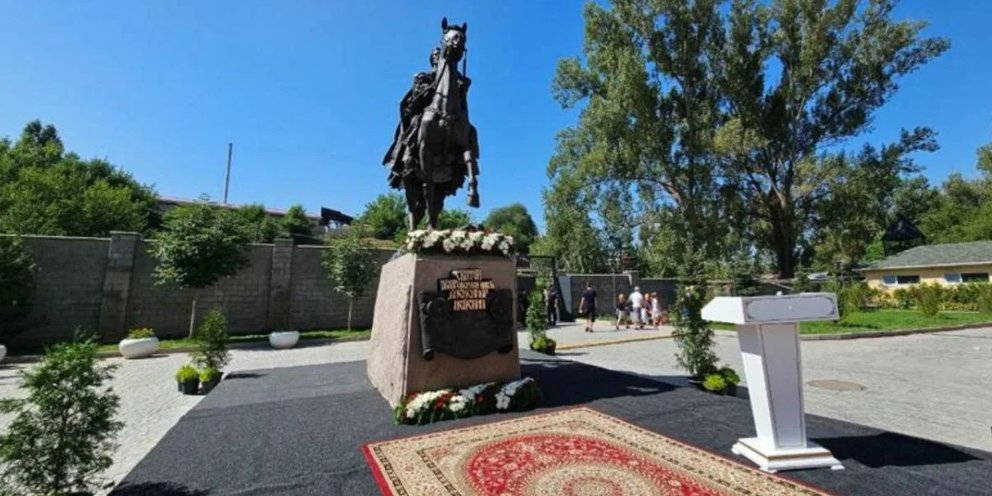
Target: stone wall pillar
280,285
117,284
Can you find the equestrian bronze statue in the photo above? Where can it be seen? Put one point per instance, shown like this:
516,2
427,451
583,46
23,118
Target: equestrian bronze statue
435,147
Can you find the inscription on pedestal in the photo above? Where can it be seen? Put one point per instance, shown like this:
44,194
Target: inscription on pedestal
467,317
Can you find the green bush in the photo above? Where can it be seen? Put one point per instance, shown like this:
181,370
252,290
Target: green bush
187,373
537,318
211,339
61,437
692,334
209,374
542,343
730,375
931,296
983,299
904,298
145,332
715,383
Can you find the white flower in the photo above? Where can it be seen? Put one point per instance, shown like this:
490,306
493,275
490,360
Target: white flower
502,401
488,242
504,247
476,236
449,245
457,403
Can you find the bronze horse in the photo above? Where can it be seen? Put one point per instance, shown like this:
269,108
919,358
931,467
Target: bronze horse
435,146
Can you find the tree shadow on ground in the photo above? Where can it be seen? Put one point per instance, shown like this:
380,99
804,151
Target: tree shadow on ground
570,383
158,489
890,449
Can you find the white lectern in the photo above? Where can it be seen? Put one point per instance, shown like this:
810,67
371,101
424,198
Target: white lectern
768,332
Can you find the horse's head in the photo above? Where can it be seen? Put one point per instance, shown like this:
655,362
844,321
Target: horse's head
453,40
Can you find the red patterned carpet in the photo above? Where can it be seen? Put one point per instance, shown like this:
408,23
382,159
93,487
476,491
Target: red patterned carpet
574,452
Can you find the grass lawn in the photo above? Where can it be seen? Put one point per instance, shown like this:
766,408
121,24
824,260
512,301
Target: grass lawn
884,320
336,334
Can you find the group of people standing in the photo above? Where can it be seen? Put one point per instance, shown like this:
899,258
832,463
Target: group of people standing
640,309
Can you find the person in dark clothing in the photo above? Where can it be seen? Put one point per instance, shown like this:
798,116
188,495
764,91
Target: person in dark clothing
551,303
588,306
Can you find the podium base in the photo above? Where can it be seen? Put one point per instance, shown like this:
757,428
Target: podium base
774,460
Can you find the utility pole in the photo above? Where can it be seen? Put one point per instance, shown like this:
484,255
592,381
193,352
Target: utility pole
227,178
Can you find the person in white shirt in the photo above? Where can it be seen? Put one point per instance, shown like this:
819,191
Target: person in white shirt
636,303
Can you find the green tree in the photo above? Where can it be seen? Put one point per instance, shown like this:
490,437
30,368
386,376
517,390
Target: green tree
197,245
17,273
350,263
515,221
211,340
692,334
260,226
799,76
385,216
61,437
296,225
454,218
645,132
963,210
45,190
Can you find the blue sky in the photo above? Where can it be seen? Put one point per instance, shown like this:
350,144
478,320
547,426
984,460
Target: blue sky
308,90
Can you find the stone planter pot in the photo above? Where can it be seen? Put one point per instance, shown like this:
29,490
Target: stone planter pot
138,348
3,352
206,387
283,340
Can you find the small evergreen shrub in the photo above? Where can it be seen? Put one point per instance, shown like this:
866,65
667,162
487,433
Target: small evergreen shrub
930,299
209,375
61,436
904,298
692,334
145,332
543,344
537,318
714,383
187,373
212,340
730,376
984,299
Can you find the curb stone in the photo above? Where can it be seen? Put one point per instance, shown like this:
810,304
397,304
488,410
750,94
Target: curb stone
189,349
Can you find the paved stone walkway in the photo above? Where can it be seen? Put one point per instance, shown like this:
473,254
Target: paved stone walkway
572,334
933,386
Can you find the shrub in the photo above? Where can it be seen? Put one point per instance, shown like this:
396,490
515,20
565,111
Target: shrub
17,273
350,265
211,339
904,298
537,319
209,374
187,373
984,299
61,437
730,375
692,334
930,299
714,383
543,344
145,332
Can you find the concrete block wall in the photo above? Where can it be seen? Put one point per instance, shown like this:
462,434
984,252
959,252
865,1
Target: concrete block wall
107,286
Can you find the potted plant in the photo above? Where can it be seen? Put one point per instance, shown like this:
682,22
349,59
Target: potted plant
209,377
139,343
284,339
543,344
715,383
188,379
732,379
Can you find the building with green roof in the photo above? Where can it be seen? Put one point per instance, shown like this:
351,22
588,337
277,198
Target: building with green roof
952,263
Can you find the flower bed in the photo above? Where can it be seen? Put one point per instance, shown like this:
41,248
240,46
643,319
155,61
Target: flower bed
459,242
481,399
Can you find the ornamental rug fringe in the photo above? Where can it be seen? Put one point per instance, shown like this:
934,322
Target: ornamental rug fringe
573,452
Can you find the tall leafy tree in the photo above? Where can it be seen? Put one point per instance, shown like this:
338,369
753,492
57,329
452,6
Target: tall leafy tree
963,210
197,246
800,77
46,190
515,221
261,227
17,273
296,225
645,131
385,217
